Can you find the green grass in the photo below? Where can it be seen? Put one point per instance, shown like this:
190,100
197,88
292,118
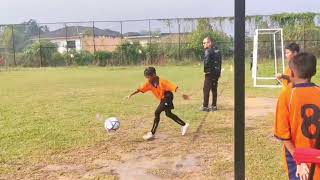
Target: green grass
47,111
52,110
263,151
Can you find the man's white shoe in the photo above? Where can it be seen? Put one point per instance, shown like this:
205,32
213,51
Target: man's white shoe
184,129
148,136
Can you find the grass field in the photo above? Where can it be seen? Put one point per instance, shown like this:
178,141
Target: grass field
49,130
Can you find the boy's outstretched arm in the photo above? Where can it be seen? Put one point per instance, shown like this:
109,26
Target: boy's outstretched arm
280,76
132,94
184,96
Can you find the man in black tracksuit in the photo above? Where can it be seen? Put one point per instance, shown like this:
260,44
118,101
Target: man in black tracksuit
212,70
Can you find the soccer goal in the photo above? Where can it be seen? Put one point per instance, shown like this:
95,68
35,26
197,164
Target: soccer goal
268,57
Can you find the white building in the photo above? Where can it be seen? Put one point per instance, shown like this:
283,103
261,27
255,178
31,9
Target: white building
75,37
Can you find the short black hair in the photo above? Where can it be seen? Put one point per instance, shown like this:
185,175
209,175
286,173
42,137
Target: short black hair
293,47
305,64
150,71
209,38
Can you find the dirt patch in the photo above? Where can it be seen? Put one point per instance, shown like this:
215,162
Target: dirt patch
259,107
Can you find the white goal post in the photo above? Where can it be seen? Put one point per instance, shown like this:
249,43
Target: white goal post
255,59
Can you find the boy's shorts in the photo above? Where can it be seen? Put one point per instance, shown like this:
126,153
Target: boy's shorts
168,100
291,165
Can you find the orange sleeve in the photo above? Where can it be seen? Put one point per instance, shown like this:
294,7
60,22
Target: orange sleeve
282,122
169,86
144,88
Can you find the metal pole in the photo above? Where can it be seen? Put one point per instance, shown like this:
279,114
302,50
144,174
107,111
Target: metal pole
179,44
13,46
121,30
275,54
150,41
255,57
239,88
282,53
304,37
66,27
94,38
40,52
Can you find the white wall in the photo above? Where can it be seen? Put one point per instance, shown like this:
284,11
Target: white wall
62,44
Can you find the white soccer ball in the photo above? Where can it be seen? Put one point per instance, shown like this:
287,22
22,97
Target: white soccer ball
112,124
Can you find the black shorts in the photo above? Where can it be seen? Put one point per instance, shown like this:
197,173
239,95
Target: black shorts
168,100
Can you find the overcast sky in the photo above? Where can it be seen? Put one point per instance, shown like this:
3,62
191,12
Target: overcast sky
16,11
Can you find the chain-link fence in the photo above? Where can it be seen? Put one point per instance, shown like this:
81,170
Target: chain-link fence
149,41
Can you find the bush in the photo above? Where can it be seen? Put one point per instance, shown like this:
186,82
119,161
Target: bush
39,53
154,53
69,57
129,53
102,58
83,58
58,60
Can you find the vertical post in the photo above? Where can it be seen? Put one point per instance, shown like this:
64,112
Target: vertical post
149,48
193,25
40,52
304,37
179,44
94,38
239,88
5,58
275,53
121,30
66,28
255,57
282,49
13,45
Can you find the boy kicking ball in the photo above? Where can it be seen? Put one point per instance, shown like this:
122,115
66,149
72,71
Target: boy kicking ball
163,90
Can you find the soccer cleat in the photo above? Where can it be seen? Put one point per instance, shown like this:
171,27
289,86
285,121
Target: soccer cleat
213,108
204,109
148,136
184,129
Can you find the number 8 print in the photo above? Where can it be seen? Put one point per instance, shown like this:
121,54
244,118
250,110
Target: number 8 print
310,121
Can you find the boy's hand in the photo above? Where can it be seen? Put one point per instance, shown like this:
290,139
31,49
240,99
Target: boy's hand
302,171
185,97
128,97
279,76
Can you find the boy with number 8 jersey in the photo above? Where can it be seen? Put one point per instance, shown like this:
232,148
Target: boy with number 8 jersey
297,122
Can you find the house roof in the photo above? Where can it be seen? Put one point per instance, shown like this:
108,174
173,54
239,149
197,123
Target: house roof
131,34
76,31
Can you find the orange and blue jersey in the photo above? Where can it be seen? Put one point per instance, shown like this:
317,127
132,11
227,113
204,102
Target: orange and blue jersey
297,115
158,90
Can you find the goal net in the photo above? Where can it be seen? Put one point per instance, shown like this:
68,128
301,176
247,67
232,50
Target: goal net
268,57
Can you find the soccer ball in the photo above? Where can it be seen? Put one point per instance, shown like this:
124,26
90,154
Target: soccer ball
111,124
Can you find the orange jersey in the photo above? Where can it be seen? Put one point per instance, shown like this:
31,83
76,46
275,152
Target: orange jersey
159,90
286,83
297,114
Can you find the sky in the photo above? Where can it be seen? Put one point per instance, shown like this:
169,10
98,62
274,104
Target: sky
16,11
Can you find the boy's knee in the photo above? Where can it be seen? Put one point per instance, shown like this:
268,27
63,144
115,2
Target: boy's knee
157,113
168,113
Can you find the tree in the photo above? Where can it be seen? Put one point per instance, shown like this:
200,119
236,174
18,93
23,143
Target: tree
40,53
204,29
19,36
168,23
